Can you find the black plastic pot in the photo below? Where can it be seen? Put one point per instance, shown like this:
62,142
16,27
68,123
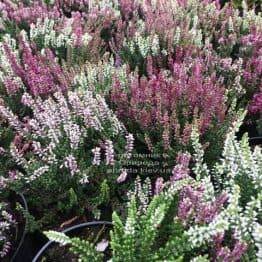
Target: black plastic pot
70,230
255,141
21,229
250,129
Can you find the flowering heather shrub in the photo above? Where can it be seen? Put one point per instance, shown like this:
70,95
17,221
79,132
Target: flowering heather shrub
39,74
83,84
76,39
166,103
168,28
21,12
69,141
190,217
238,176
7,222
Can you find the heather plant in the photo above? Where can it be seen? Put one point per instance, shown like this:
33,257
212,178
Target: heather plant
7,224
84,84
37,73
190,219
170,31
163,106
76,39
71,144
136,239
238,174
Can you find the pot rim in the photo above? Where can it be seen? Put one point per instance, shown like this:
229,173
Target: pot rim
86,224
25,205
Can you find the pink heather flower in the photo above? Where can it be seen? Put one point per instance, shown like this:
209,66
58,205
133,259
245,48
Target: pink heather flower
183,159
118,61
192,206
41,74
181,170
186,90
178,173
238,251
256,104
97,156
122,177
20,12
5,248
11,86
12,174
159,185
109,151
224,253
185,209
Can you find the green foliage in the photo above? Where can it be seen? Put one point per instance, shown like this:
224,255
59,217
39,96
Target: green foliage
30,223
70,203
104,192
83,249
140,237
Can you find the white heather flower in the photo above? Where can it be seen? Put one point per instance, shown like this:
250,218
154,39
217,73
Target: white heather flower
11,118
84,180
257,234
109,152
86,38
155,45
74,134
71,164
97,156
17,156
129,145
27,100
37,148
177,35
37,173
2,151
101,246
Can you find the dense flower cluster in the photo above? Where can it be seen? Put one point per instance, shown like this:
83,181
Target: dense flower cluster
39,74
63,123
139,101
205,217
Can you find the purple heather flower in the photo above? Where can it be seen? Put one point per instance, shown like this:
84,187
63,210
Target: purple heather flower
181,170
256,104
41,74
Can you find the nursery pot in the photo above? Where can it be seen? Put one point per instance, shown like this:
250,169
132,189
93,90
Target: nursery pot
255,141
21,232
70,230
